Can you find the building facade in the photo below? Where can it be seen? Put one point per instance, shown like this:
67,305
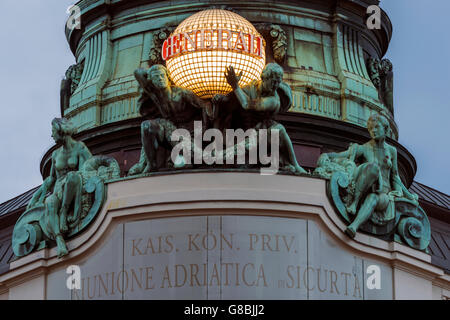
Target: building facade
212,232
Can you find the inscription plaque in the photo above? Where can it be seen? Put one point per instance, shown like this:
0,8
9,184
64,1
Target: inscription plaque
223,257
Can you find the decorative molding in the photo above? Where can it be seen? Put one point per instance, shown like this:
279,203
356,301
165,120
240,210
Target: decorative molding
277,37
307,102
118,110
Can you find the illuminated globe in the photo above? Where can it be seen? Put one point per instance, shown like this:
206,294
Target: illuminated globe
203,45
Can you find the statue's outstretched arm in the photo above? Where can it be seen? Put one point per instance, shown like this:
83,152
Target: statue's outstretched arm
141,77
233,81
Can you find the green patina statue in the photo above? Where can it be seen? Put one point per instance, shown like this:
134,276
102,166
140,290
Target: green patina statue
168,108
63,205
259,102
374,198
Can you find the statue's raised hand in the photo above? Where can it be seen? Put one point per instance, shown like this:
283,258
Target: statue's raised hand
232,78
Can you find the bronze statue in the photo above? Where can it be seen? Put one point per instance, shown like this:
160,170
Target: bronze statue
259,102
65,181
74,174
375,182
167,108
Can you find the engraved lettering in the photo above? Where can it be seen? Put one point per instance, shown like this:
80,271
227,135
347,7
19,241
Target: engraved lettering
290,277
265,241
215,275
135,278
288,245
183,272
148,278
318,279
244,279
357,287
253,240
192,243
135,248
333,282
194,274
103,284
166,277
346,275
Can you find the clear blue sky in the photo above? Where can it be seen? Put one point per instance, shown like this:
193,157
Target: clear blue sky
34,56
420,52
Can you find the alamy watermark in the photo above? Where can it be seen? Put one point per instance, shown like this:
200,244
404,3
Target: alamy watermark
374,20
374,279
238,144
74,21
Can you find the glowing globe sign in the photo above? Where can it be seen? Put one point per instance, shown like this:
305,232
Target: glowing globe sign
203,45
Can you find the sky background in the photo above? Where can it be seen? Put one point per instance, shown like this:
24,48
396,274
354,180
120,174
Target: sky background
34,56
